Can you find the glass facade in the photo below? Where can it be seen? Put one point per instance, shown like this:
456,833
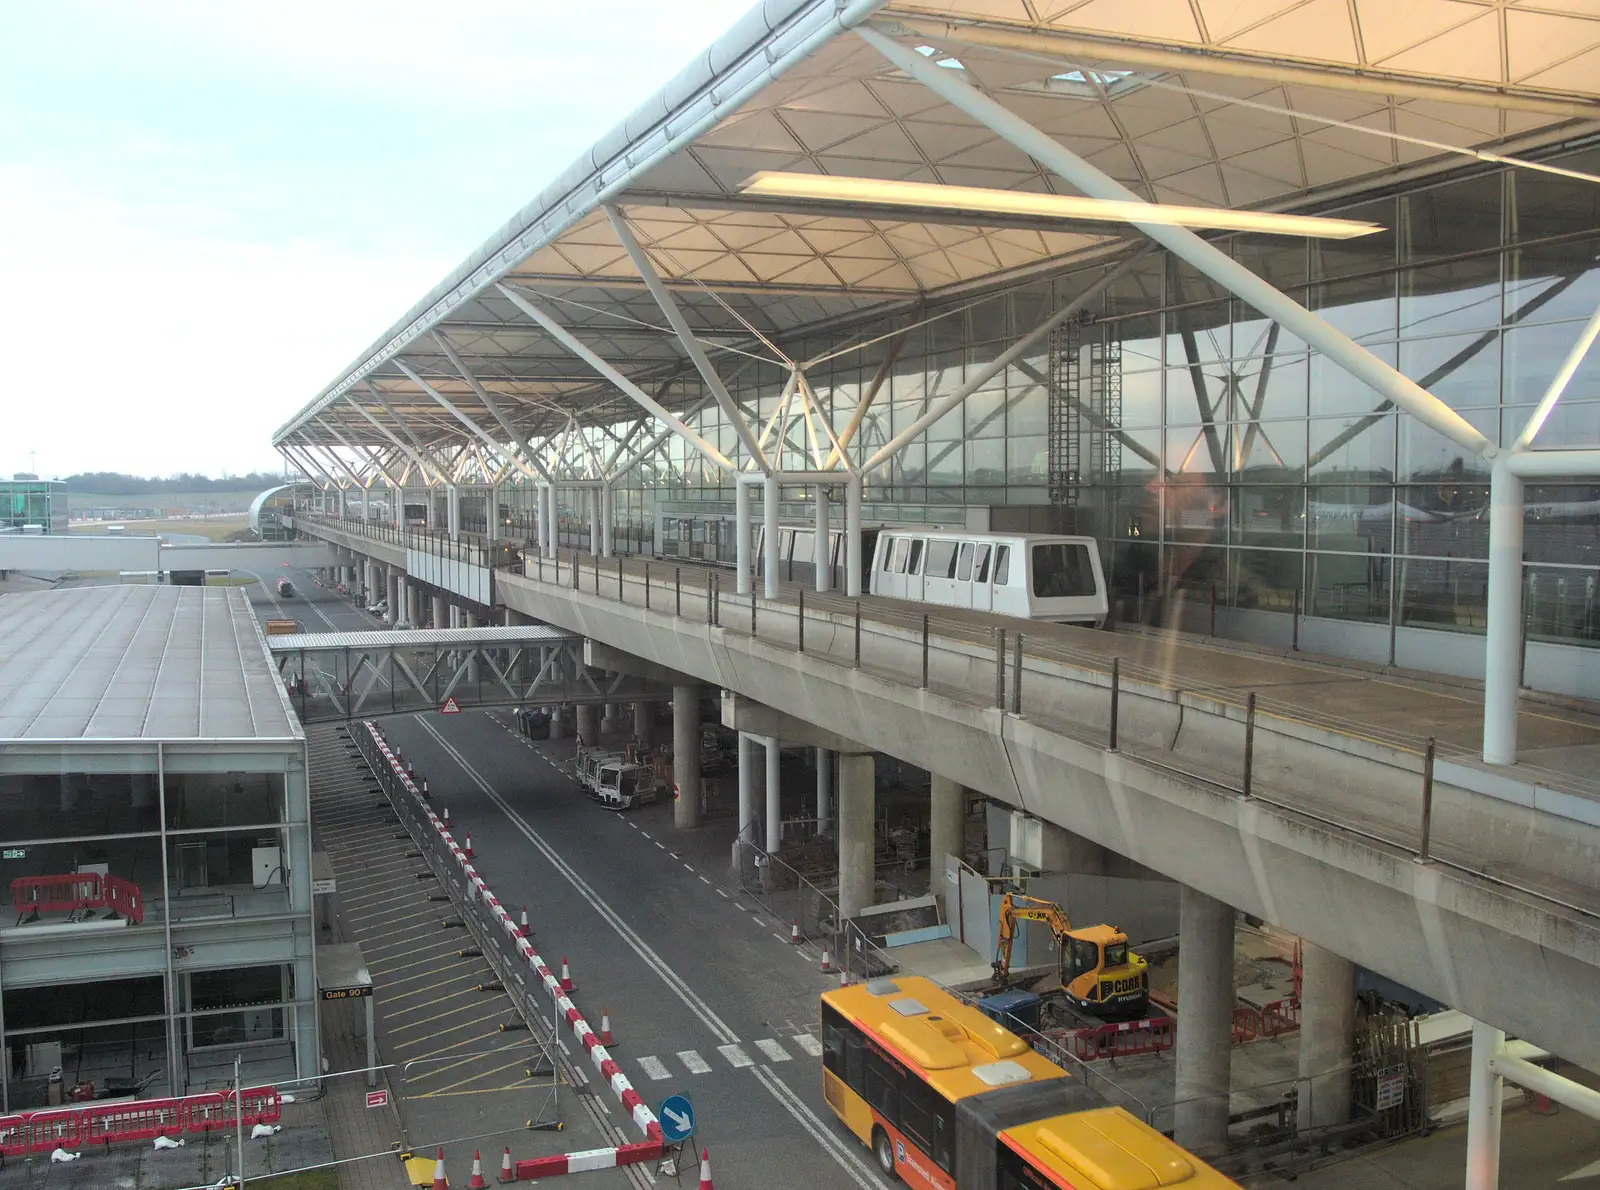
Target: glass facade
27,502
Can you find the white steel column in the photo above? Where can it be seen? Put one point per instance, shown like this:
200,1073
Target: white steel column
771,491
592,495
852,538
741,537
774,805
1484,1090
824,787
1502,663
608,513
365,517
492,515
824,556
747,787
452,511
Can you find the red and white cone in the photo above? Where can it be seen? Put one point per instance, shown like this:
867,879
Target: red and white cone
522,928
506,1174
794,932
827,959
447,816
467,850
566,978
477,1182
604,1035
705,1170
844,977
440,1182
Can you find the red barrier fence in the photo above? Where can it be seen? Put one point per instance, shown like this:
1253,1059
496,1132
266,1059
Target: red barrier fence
77,890
1246,1023
1123,1039
133,1119
1280,1016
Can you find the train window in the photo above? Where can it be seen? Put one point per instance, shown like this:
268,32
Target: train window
805,546
964,562
1002,565
785,543
915,565
888,549
898,563
1062,570
941,559
981,574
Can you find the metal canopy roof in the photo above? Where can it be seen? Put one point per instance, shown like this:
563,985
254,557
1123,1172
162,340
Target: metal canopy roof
1267,104
137,662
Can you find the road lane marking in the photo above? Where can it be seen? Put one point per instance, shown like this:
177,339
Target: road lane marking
693,1062
655,1068
736,1056
809,1043
773,1050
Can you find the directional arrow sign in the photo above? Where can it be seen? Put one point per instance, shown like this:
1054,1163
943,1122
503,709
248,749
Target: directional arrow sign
676,1114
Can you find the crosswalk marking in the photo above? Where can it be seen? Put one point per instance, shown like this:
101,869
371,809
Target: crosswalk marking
773,1050
694,1062
655,1068
735,1055
809,1043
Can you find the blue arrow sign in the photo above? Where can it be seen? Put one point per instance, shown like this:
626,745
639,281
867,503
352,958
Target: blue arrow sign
676,1114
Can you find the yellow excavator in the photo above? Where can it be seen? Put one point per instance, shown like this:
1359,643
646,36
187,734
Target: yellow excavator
1097,972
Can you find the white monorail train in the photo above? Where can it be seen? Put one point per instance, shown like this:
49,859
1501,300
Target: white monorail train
1028,575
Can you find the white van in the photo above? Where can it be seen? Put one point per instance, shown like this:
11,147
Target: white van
621,786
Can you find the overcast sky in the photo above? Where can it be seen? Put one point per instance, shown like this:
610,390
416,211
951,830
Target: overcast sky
208,208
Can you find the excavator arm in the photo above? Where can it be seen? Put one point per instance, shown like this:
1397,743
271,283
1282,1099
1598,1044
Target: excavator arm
1015,907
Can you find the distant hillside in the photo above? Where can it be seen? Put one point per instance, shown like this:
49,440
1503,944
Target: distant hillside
115,483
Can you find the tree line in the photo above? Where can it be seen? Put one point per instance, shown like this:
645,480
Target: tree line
115,482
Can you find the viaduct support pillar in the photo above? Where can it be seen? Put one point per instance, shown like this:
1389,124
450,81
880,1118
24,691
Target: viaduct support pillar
588,724
747,787
686,755
644,714
824,787
946,829
1327,1032
395,586
1205,1022
437,612
774,795
857,777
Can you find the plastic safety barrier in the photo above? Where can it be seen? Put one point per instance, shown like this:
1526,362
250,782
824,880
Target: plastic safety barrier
1279,1017
1123,1039
136,1119
74,891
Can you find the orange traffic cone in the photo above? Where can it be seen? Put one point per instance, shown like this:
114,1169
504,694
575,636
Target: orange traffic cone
477,1182
827,959
604,1035
794,932
506,1175
566,978
844,977
522,929
440,1182
467,850
705,1170
447,817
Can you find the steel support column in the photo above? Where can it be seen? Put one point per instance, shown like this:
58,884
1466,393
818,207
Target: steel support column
1502,659
852,538
772,492
823,555
743,583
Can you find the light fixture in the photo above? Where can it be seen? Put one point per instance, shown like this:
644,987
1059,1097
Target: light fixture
974,200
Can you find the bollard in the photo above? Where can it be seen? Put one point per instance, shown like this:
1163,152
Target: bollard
1427,801
1000,668
858,635
1249,740
924,650
647,586
1016,676
801,621
677,587
1116,690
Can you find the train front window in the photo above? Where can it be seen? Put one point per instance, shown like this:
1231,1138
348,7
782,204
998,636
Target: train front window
1002,565
897,562
1062,570
981,574
915,565
888,552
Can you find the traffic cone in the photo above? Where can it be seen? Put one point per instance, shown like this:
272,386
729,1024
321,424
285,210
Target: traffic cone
447,817
827,959
506,1175
844,977
467,850
477,1182
566,978
705,1170
522,928
440,1182
794,932
605,1028
425,789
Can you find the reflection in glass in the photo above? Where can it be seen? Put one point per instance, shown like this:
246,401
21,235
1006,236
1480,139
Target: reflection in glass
1553,281
1269,516
1349,586
1463,371
1353,518
1540,204
1355,449
1427,456
1443,519
1457,217
1264,579
1198,334
1561,603
1270,388
1363,308
1196,512
1443,593
1459,295
1533,356
1269,451
1339,258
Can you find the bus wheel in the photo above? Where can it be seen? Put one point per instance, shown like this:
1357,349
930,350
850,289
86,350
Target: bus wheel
883,1149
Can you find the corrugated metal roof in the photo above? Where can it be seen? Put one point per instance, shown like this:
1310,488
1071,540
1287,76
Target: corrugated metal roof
137,662
405,637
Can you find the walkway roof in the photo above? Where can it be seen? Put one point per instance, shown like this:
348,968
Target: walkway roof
1250,104
137,663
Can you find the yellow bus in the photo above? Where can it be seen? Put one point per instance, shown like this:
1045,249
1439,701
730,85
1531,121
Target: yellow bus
947,1099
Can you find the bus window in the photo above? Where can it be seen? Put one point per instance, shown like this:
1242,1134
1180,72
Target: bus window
928,1120
1018,1173
941,559
1062,570
883,1087
915,565
901,545
1002,565
964,562
981,574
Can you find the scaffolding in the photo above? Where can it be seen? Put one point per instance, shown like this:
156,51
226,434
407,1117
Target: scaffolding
1084,408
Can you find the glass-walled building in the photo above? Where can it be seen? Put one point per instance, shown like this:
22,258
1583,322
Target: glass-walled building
31,504
154,837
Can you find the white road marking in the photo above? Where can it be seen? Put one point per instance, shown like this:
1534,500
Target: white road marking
703,880
655,1068
773,1050
736,1056
722,894
694,1063
809,1043
688,867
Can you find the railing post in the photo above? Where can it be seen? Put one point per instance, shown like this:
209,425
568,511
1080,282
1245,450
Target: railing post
677,589
576,568
858,634
924,650
711,604
801,623
1427,801
1294,638
620,597
1000,668
647,586
1116,692
597,576
1213,609
1249,740
752,610
1016,676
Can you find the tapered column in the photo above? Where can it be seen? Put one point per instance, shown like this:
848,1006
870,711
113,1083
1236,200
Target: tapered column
852,537
747,787
823,555
769,519
438,613
1327,1033
686,755
741,538
857,777
644,724
824,789
589,724
947,812
1205,1022
774,794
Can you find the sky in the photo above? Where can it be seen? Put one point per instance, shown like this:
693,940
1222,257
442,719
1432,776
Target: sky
209,209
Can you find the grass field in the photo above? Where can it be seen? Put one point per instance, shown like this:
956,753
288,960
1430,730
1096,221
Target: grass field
214,528
231,501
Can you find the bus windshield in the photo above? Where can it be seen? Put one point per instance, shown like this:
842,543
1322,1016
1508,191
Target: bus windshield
1062,570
